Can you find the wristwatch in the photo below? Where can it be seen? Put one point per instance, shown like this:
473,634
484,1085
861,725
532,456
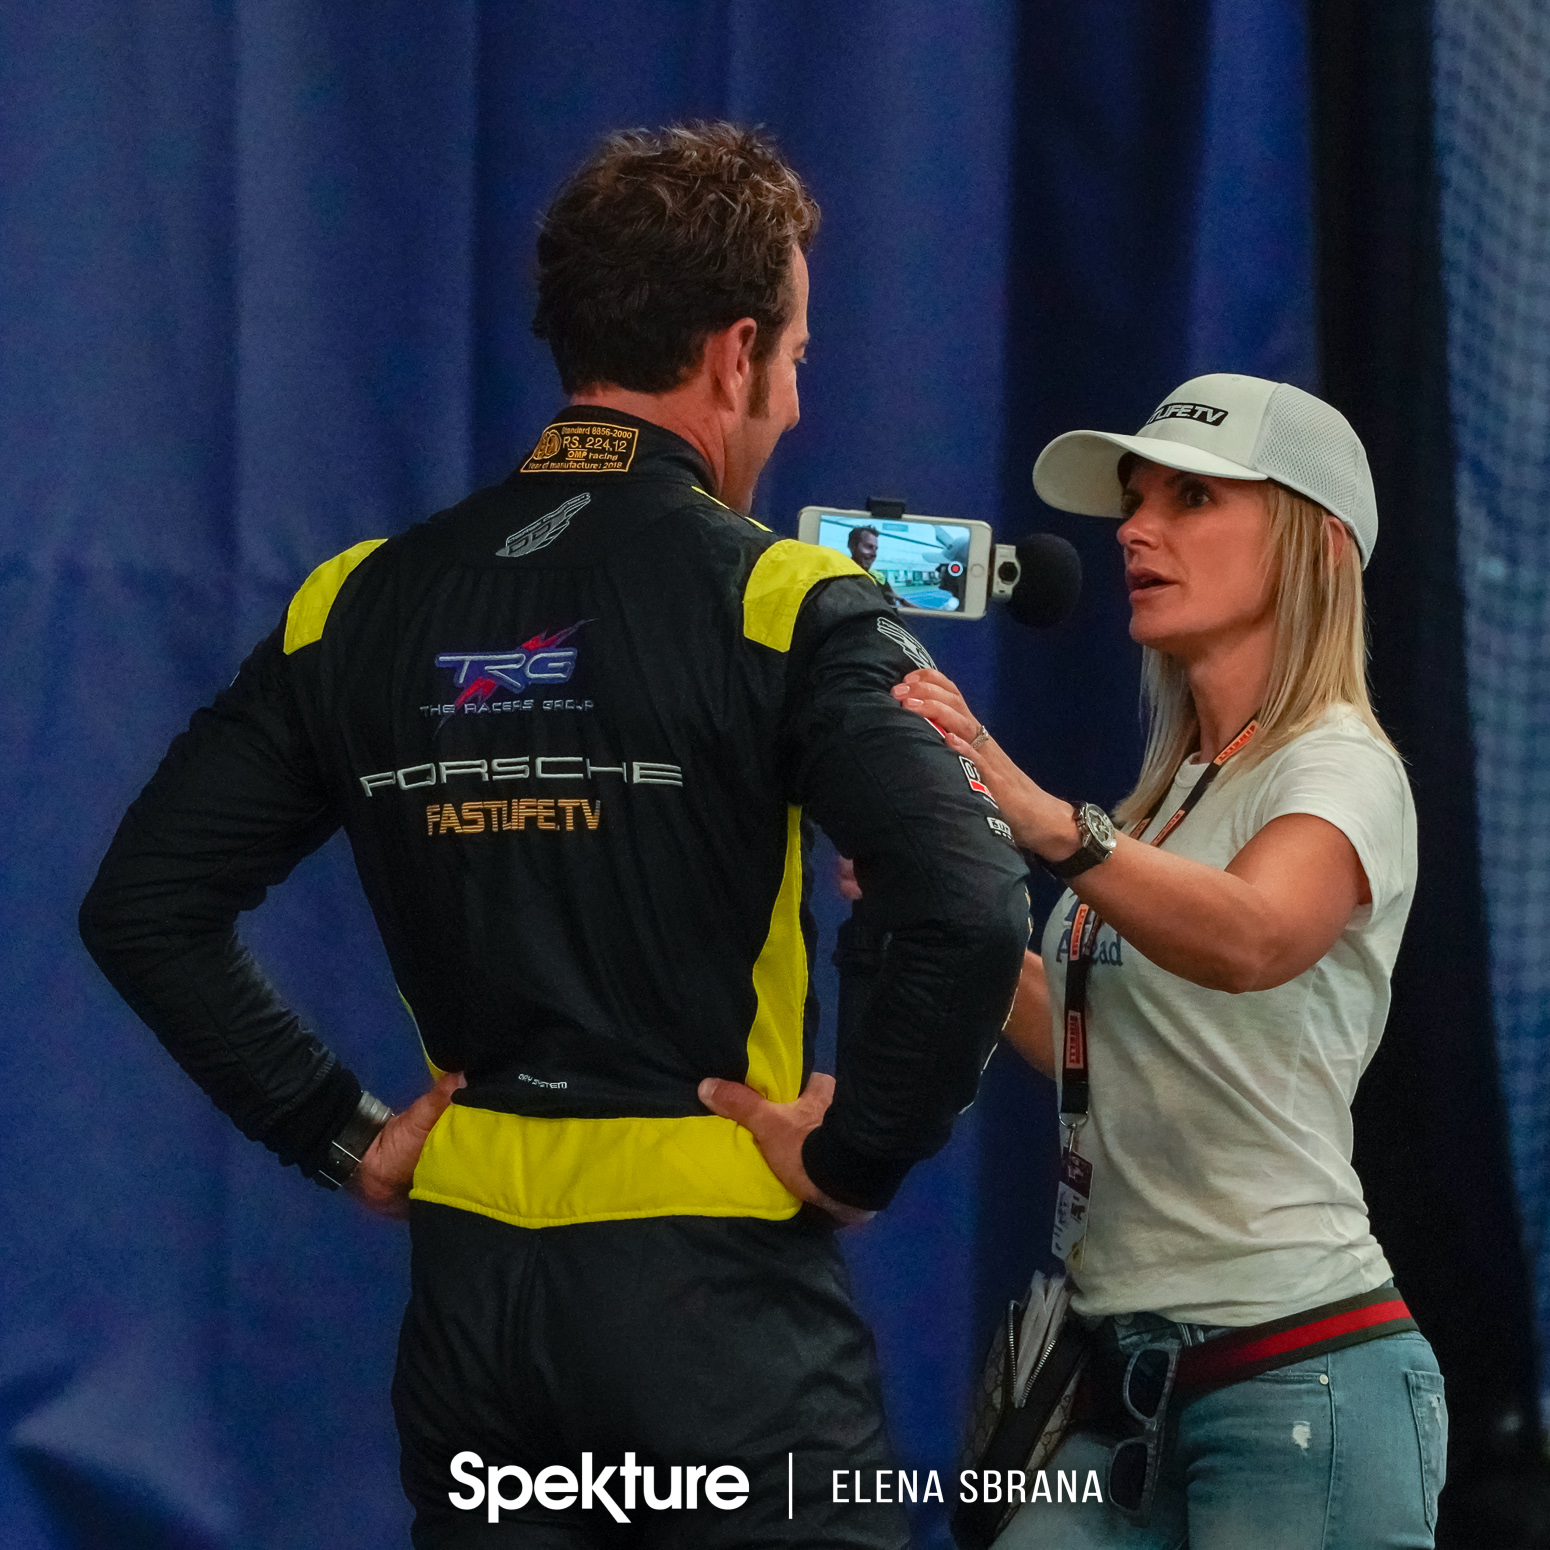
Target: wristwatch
1095,832
350,1145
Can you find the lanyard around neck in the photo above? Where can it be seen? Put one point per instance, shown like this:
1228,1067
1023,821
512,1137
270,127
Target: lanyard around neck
1075,1092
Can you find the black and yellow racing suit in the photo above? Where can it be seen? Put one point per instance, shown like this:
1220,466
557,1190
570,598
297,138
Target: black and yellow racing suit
576,729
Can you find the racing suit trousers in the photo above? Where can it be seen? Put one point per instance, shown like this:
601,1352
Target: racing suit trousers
683,1340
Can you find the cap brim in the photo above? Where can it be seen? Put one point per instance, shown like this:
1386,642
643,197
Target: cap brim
1075,472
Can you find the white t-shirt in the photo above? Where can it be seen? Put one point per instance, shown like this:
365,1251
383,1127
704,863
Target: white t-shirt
1220,1128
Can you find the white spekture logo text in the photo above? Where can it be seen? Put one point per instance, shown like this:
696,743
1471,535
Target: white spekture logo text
556,1487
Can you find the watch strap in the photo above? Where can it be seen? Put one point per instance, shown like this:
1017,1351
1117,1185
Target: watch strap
1088,853
354,1139
1079,861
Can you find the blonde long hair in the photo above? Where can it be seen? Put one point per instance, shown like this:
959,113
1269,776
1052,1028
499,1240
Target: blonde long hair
1320,656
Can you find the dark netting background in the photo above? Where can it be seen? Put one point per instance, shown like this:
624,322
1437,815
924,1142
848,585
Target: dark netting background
1492,83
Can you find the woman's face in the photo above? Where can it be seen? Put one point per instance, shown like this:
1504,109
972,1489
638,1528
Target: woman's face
1195,552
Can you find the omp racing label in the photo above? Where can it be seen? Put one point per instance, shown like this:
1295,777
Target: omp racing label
583,447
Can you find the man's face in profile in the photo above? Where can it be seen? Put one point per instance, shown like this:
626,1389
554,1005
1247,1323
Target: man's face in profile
863,549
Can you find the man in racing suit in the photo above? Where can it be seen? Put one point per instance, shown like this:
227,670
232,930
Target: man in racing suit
577,728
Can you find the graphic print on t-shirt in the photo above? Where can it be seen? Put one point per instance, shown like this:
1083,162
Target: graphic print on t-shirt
1110,948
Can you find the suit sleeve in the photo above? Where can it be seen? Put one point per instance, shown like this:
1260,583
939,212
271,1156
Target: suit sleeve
938,871
236,803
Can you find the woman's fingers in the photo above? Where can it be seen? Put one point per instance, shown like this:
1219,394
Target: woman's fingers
930,675
951,720
1012,790
935,697
927,693
988,758
928,684
845,876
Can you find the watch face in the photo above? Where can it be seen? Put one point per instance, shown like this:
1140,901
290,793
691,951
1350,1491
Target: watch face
1098,825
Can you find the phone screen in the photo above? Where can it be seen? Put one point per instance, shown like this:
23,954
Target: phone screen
924,564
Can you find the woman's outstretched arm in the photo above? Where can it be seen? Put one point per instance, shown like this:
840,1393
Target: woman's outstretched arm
1280,905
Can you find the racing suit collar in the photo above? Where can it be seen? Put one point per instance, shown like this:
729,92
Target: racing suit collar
661,454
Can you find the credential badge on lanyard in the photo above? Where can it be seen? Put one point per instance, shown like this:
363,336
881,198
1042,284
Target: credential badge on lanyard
1073,1195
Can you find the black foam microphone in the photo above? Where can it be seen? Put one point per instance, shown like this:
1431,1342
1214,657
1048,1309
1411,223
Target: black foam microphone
1050,583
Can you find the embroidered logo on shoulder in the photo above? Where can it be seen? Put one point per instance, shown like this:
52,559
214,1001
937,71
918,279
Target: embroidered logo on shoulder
538,535
906,642
972,775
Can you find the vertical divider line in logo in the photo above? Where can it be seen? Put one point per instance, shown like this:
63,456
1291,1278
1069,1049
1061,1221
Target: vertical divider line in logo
791,1487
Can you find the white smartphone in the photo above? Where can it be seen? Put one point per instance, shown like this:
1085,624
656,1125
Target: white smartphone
932,565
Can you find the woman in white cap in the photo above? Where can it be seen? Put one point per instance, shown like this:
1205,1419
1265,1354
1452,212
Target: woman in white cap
1211,987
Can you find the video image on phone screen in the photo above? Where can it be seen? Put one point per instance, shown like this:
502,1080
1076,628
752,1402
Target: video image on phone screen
921,564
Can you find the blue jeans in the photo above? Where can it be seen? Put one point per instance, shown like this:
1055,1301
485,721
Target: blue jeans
1346,1451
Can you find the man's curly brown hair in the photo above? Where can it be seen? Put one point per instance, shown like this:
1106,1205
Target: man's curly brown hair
661,239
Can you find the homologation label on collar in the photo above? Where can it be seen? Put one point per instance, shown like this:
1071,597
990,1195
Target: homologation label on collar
583,447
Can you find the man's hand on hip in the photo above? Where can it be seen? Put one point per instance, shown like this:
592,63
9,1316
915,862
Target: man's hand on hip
381,1182
780,1129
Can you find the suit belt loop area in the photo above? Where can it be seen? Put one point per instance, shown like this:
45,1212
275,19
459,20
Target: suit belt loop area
534,1172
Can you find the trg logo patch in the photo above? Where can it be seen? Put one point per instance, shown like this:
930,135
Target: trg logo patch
486,678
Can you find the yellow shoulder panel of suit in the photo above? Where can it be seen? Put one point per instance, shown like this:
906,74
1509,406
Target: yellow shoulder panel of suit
785,573
308,613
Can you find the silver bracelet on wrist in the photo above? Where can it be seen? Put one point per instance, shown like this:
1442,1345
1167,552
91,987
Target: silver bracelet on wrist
354,1139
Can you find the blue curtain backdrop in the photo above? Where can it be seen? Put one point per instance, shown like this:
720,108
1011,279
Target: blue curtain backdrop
1493,142
264,291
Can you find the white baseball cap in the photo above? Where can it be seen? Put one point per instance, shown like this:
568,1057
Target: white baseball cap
1236,428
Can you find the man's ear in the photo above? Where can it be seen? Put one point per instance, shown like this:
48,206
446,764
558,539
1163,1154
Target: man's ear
729,362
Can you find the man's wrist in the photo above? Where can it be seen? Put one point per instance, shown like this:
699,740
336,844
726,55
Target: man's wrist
347,1148
851,1177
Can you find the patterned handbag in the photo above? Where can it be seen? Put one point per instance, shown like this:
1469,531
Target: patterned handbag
1023,1405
